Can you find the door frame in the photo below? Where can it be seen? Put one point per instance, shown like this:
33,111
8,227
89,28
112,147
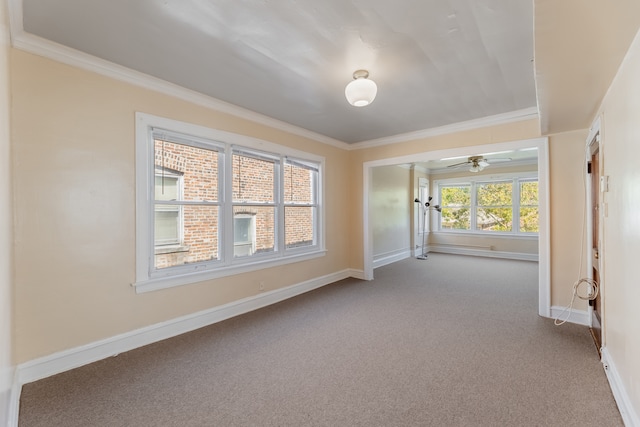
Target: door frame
544,237
595,137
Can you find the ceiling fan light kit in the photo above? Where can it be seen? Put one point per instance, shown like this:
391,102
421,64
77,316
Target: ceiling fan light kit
478,163
361,91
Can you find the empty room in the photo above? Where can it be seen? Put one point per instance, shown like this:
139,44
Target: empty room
339,213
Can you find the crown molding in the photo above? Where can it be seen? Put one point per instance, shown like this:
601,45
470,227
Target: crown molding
498,119
39,46
66,55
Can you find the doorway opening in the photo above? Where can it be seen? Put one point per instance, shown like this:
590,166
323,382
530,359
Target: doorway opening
541,144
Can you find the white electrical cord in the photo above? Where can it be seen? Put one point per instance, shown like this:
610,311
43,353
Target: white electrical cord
591,294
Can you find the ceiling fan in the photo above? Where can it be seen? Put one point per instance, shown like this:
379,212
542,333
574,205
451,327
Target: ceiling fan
478,163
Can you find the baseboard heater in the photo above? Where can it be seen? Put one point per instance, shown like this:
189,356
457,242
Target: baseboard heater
453,245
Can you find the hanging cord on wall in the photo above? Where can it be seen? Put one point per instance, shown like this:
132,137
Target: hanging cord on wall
591,282
591,294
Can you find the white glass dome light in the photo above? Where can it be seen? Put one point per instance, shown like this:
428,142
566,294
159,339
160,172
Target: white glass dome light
361,91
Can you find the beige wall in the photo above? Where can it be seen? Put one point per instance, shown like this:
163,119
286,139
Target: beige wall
73,155
6,364
621,290
566,174
390,210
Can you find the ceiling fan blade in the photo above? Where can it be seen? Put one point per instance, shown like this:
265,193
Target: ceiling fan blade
459,164
505,159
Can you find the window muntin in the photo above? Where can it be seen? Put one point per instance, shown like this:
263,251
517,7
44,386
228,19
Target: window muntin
489,206
254,215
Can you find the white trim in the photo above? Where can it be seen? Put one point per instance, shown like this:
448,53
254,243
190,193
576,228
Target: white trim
544,230
494,235
625,406
69,359
390,257
367,179
498,119
464,250
579,317
14,402
356,274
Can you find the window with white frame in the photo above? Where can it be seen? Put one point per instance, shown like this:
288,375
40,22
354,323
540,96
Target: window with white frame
210,203
501,204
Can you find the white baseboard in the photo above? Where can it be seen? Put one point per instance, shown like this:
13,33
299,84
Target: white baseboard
14,403
580,317
390,257
356,274
65,360
7,375
459,250
628,413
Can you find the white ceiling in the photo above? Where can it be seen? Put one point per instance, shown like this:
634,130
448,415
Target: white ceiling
436,62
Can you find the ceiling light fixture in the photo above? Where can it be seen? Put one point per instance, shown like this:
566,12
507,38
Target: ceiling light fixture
361,91
477,164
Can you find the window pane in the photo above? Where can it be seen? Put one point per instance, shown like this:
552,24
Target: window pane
166,188
264,223
167,223
242,232
200,239
529,220
456,196
253,179
299,184
298,226
529,193
495,194
197,166
456,219
494,219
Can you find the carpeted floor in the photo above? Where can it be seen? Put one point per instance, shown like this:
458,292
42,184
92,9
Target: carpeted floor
451,341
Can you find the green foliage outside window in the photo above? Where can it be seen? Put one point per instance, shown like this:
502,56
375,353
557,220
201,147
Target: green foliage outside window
529,207
494,205
456,212
494,201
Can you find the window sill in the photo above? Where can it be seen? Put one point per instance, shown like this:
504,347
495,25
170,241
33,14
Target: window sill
495,234
157,283
170,249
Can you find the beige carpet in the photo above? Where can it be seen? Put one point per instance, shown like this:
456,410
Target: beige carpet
451,341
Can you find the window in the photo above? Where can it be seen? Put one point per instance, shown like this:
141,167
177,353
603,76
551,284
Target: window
186,202
211,203
300,203
489,206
